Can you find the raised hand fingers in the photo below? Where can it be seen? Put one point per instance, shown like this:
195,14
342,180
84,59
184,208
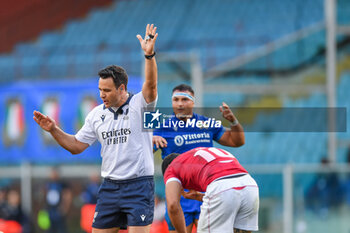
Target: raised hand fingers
147,43
150,32
226,112
147,30
155,37
150,29
225,106
224,109
153,31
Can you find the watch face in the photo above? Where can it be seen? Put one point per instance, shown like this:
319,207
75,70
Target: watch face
14,130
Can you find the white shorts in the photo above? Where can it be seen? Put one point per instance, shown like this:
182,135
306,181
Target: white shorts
230,203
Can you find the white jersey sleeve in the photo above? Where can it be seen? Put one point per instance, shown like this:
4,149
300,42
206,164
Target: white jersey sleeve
141,102
87,134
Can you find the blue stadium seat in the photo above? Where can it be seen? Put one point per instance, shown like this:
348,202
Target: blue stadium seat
7,67
231,28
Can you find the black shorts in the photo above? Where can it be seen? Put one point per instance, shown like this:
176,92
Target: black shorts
125,203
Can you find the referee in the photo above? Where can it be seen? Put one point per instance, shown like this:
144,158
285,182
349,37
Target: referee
126,197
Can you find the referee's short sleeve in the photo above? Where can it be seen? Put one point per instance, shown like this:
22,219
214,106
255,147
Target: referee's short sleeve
140,101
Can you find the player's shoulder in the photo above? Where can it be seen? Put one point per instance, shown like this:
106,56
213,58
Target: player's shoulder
135,101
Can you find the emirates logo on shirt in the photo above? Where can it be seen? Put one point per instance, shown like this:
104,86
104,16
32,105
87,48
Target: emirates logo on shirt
116,136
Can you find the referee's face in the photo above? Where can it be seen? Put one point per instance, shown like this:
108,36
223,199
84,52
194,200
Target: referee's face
110,95
182,106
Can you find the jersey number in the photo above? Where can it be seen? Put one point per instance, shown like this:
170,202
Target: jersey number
209,155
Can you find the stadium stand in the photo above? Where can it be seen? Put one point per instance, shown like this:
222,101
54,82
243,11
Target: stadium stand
84,45
35,16
225,37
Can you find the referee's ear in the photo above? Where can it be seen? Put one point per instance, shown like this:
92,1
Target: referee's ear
167,161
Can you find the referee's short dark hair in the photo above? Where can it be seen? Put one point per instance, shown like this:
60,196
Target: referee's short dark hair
117,73
183,87
167,160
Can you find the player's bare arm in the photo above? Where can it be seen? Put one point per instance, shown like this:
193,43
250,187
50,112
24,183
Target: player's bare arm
67,141
149,88
193,194
173,195
159,142
234,136
241,231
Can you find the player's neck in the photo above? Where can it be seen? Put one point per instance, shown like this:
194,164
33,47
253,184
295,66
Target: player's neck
124,98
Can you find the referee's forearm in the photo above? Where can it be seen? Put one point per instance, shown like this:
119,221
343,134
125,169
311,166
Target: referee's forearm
149,88
67,141
151,73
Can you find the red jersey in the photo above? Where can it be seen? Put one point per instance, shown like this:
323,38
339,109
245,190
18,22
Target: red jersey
198,167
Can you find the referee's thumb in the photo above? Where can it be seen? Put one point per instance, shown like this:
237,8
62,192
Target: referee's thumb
140,38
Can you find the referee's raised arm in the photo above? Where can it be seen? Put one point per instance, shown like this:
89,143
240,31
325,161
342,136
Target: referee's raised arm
149,88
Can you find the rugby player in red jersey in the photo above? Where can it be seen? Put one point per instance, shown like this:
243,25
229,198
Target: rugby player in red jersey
231,198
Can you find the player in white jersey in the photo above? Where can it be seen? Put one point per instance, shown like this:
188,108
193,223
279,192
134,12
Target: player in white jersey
126,197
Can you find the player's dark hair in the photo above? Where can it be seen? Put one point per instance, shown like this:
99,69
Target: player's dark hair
183,87
167,160
117,73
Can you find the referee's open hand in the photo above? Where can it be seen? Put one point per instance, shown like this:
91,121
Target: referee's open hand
147,43
45,122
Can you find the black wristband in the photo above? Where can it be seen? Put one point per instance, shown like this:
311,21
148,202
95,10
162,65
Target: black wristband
150,56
